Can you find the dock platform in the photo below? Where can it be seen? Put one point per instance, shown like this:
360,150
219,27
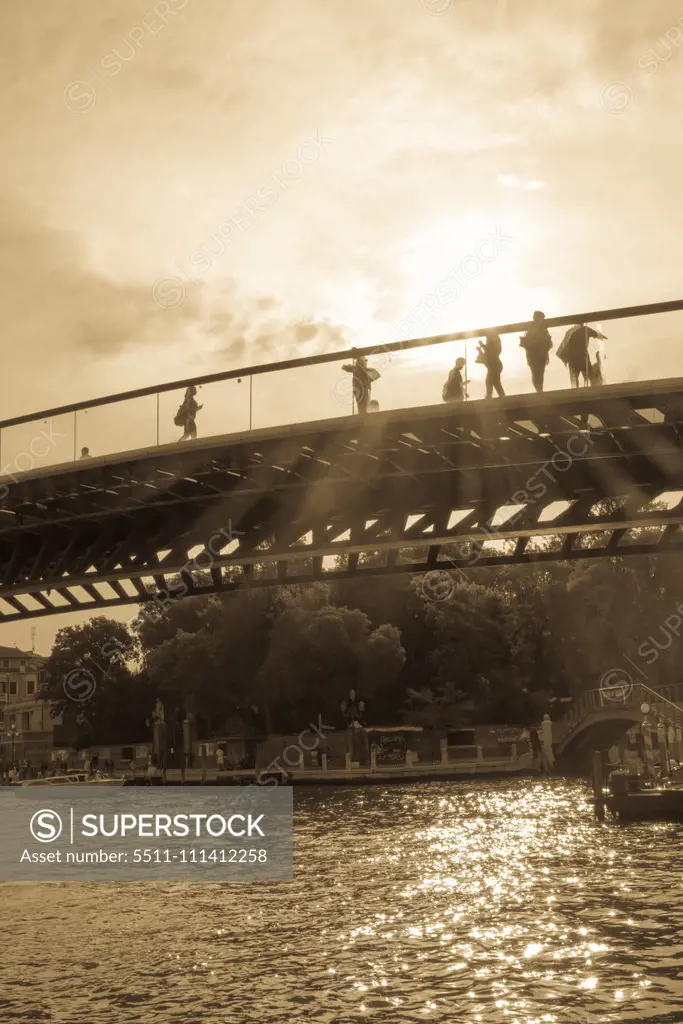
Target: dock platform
354,776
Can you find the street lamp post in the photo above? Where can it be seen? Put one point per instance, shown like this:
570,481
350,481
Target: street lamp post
13,733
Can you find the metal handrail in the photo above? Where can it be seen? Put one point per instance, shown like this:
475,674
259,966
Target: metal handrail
593,316
600,693
660,698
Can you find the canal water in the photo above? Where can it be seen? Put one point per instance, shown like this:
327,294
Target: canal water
458,902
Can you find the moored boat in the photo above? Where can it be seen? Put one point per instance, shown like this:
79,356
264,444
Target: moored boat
73,779
637,798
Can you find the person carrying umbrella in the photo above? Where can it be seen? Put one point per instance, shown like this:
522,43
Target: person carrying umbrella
573,351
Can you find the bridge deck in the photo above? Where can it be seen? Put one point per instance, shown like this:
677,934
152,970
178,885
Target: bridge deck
570,474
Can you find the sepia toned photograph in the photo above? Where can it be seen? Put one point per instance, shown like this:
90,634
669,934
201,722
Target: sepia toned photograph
341,512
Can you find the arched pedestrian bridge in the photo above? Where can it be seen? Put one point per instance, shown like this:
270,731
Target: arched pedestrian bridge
579,473
599,718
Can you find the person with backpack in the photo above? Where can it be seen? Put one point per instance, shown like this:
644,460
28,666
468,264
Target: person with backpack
573,351
537,343
488,353
454,389
186,417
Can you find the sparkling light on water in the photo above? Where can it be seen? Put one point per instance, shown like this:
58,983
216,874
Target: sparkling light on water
499,902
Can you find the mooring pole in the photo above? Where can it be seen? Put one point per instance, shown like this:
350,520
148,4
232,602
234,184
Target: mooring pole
599,799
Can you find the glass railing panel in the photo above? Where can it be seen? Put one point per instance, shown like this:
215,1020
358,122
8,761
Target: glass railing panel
407,378
37,445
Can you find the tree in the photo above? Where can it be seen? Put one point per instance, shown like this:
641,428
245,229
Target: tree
90,684
315,658
210,667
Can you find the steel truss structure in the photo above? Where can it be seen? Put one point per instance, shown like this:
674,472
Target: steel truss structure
573,474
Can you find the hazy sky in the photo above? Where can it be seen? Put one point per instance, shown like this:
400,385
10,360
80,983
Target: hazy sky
192,185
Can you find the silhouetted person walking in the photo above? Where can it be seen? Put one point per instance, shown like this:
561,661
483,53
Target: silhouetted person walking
186,417
488,353
454,388
363,377
573,351
537,344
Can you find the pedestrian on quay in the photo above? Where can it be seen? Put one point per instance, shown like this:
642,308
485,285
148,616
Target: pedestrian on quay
535,744
547,743
186,417
646,728
489,354
662,744
537,343
455,390
220,759
573,351
671,737
362,379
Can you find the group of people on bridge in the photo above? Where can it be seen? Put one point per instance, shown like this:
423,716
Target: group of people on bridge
573,351
537,343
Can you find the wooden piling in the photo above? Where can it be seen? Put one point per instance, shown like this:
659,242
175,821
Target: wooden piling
598,797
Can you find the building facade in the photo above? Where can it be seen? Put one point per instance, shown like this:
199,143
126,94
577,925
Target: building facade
26,728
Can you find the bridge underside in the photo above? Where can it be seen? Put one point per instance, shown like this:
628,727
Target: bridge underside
598,732
577,474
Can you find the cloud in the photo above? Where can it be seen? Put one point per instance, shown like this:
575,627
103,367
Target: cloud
58,314
240,328
66,325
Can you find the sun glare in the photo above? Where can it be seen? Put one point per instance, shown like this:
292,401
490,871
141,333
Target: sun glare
463,274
